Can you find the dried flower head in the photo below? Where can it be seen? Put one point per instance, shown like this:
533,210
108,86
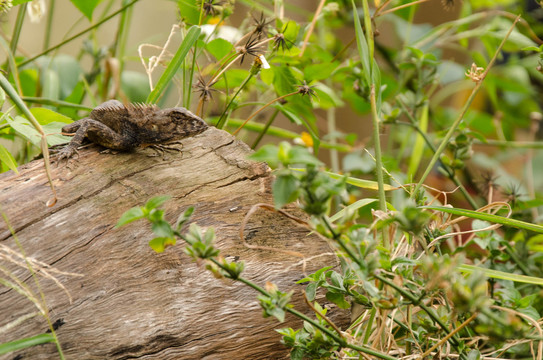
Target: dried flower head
488,182
512,192
447,4
251,47
280,41
5,5
261,26
305,89
212,7
205,89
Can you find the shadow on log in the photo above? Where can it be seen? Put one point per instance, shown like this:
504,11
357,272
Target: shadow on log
130,301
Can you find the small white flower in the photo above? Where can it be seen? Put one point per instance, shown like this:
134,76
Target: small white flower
36,10
264,62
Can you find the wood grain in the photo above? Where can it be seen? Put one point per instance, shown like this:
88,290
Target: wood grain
132,303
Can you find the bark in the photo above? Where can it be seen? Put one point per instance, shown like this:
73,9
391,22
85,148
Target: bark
131,302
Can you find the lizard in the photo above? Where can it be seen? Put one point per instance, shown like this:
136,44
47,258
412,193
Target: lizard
119,127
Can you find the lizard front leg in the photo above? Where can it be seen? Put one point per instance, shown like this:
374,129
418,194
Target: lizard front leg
97,132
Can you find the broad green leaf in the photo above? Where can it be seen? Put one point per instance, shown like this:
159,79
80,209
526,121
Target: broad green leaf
26,343
133,214
219,48
268,153
7,159
135,85
65,70
24,128
285,189
318,71
50,84
163,229
159,244
338,299
190,11
86,6
174,65
46,116
156,201
283,80
488,217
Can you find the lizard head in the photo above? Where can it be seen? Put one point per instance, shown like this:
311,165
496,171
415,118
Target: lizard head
187,123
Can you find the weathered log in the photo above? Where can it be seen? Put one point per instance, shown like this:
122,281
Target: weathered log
130,301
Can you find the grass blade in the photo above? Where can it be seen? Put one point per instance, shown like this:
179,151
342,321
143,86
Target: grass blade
26,343
175,64
495,274
488,217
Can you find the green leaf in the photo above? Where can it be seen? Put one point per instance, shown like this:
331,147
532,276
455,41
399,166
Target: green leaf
159,244
175,64
361,183
135,86
60,76
338,299
283,80
162,229
318,71
495,274
7,159
353,207
418,147
26,343
362,45
19,2
190,11
268,153
219,48
24,128
86,6
311,290
47,116
285,190
131,215
156,201
488,217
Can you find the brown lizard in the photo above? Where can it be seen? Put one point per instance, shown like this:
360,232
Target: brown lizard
119,127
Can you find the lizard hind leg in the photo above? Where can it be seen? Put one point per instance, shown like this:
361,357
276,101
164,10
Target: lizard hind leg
161,149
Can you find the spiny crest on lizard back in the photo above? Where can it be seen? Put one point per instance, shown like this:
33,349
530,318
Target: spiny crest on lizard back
142,108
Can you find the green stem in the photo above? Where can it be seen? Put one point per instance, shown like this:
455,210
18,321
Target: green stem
338,339
511,144
278,132
10,91
450,173
122,35
265,129
224,115
49,25
17,29
457,122
56,103
377,145
454,340
90,28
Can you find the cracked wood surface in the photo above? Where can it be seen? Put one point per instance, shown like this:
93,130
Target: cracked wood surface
132,303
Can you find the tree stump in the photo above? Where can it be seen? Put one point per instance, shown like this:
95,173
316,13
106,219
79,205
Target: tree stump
131,302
